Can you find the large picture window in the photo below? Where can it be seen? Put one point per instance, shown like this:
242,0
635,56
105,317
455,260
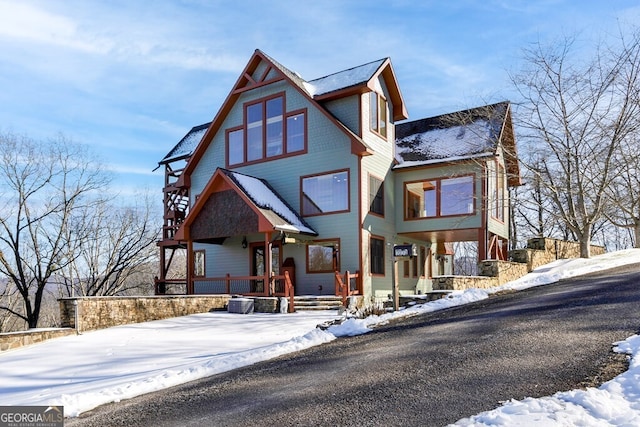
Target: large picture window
268,132
327,193
323,256
440,197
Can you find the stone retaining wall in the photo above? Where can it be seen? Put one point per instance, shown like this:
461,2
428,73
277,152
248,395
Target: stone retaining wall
12,340
532,258
460,283
502,271
105,312
561,249
492,273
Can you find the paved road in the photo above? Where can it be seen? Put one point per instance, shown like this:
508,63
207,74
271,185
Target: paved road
430,370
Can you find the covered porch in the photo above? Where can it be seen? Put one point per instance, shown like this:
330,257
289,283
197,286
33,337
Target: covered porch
242,238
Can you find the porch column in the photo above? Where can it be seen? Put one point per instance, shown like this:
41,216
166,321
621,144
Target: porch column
190,287
267,263
482,244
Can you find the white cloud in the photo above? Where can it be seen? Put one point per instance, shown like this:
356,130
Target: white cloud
115,37
20,20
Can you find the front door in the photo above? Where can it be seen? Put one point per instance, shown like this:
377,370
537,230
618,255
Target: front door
257,264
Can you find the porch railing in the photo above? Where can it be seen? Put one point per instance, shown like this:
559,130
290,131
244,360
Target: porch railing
347,285
279,286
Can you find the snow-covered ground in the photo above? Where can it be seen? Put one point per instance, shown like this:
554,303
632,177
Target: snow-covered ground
88,370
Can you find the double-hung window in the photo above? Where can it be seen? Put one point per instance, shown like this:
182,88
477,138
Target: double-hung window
378,114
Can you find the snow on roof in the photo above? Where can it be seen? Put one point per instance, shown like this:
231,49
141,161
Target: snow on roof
462,135
265,197
343,79
187,144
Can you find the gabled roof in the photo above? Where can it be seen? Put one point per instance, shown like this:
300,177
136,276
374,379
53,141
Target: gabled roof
187,144
354,80
361,79
463,135
273,211
355,76
270,204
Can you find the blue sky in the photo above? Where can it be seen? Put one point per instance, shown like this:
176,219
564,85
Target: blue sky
131,77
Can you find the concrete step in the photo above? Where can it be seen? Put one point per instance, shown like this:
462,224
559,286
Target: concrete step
319,302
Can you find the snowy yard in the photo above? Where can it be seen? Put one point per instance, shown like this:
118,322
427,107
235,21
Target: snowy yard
85,371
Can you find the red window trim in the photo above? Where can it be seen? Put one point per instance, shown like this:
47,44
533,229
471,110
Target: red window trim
497,213
377,131
302,178
335,240
438,197
285,115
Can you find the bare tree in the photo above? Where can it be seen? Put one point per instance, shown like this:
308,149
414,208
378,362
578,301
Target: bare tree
42,185
575,116
624,195
116,247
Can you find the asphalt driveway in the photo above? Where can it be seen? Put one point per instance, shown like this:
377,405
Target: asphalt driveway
429,370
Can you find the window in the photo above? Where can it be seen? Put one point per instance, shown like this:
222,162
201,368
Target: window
198,263
254,132
456,196
295,133
378,114
499,194
235,146
268,132
440,197
328,193
423,263
376,255
274,127
322,257
376,195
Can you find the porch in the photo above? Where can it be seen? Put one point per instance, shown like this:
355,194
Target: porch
278,286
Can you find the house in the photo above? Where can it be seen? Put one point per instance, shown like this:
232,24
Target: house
309,185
